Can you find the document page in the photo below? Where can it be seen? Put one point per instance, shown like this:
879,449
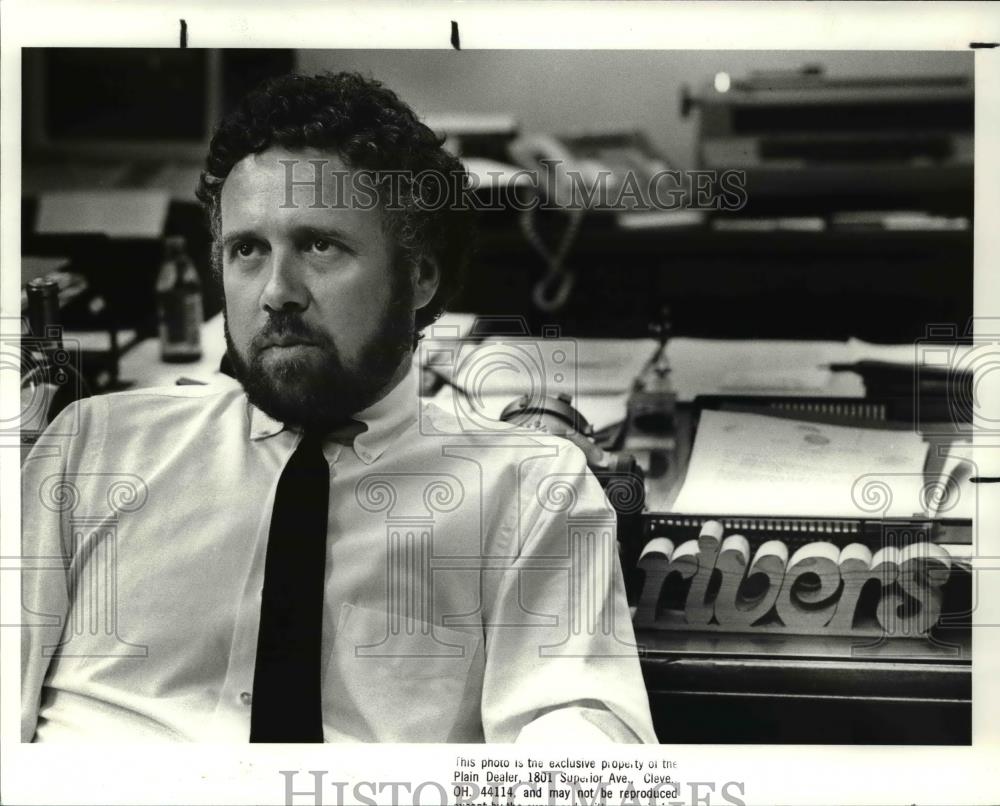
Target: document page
750,464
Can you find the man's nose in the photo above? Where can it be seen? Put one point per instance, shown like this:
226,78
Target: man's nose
285,289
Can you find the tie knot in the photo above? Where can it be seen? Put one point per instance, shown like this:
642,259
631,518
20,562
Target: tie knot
309,461
311,440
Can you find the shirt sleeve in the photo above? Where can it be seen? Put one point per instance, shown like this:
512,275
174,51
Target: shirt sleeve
46,552
561,659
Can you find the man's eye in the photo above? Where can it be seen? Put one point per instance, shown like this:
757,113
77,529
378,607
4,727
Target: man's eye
245,249
330,249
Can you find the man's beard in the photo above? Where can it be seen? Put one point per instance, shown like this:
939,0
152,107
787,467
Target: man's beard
322,395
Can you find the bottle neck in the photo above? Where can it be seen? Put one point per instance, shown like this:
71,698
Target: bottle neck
175,250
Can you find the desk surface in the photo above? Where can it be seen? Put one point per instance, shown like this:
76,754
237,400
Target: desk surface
141,366
793,692
607,366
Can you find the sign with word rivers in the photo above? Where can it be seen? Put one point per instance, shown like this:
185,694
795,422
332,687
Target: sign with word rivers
711,585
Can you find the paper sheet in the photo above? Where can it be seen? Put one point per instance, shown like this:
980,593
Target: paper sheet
752,366
955,495
926,353
547,366
749,464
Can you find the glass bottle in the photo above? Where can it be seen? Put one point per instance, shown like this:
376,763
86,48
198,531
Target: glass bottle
179,304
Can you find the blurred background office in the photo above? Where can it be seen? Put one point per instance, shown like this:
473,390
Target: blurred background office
858,180
850,246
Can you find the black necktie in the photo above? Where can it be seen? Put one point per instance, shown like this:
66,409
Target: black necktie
287,702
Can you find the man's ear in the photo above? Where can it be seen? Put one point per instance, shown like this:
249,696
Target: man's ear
426,279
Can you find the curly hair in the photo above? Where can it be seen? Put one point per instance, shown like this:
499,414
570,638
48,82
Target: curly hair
371,129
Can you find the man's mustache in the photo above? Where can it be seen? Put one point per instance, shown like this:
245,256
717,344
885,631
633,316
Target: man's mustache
282,327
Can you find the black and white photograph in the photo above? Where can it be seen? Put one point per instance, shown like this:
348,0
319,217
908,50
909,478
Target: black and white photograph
600,424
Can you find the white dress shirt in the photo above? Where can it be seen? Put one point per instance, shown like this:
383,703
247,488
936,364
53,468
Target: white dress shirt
473,591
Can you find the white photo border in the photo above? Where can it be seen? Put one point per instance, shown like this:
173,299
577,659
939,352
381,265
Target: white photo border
799,775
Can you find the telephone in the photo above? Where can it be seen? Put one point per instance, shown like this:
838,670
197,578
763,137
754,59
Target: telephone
575,174
589,171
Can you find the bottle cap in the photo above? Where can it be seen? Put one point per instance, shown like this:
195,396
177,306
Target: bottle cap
43,286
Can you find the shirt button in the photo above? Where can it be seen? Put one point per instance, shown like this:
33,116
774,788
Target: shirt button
246,698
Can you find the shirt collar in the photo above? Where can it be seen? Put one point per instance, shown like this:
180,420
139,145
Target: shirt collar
383,421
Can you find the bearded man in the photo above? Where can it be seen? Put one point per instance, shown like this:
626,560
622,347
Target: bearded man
310,551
